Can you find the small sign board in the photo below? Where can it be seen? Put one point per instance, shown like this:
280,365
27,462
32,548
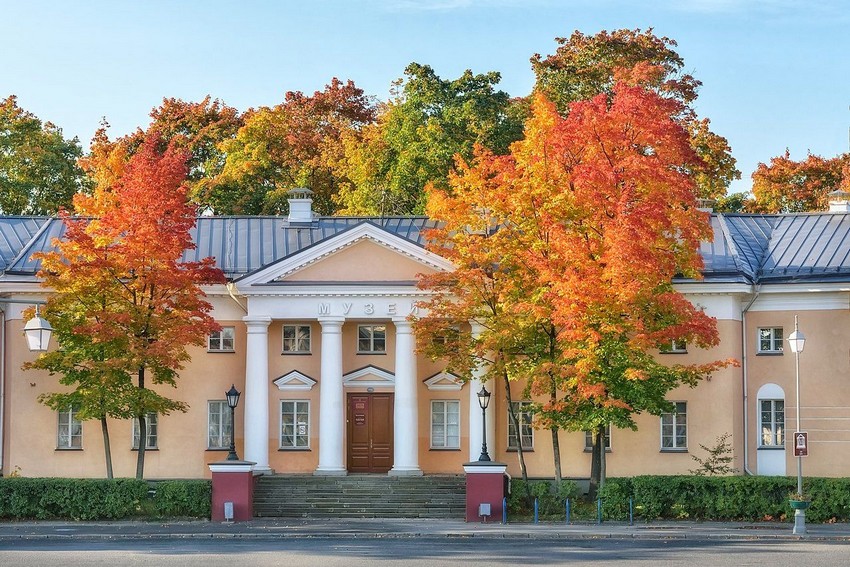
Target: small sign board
801,444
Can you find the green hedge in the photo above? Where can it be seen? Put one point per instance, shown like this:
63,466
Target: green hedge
100,499
723,498
726,498
549,494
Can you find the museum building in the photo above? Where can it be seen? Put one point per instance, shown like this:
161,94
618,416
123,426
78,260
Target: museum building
316,334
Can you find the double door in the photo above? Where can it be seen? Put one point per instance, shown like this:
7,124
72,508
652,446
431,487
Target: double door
370,433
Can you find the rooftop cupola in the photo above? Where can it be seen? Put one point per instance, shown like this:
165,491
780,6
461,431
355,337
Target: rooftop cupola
300,205
839,201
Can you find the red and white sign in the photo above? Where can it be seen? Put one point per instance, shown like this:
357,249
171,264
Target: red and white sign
801,444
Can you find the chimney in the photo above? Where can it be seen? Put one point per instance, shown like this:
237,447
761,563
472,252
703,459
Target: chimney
300,205
839,201
705,205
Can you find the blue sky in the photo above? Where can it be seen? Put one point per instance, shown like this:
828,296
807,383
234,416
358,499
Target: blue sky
775,73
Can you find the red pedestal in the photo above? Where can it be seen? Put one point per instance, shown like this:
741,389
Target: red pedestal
233,481
485,484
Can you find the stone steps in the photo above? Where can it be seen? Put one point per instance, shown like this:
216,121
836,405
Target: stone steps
360,496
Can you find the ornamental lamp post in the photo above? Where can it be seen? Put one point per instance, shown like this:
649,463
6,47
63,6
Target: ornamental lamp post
232,401
484,401
797,340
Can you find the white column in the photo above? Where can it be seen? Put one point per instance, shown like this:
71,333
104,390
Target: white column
256,406
406,409
475,414
331,402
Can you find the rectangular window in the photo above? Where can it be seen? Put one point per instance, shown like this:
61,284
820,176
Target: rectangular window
445,424
221,341
675,347
296,339
588,439
674,428
772,417
770,339
371,338
70,432
294,424
219,424
523,413
152,430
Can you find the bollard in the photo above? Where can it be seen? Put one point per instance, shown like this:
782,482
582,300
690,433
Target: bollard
631,511
535,511
505,510
598,510
567,506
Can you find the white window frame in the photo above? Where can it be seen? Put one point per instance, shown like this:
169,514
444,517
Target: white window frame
525,418
219,410
775,340
371,339
297,339
674,420
588,439
440,418
217,341
776,428
151,432
675,347
295,424
67,419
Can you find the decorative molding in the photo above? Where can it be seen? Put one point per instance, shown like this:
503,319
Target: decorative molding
370,377
294,381
444,381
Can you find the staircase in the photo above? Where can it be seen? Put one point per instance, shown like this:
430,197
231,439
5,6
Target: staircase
360,496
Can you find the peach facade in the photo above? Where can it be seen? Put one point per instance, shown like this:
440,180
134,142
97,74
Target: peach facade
366,277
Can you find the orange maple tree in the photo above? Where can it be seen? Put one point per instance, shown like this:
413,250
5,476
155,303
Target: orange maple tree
789,186
579,231
120,286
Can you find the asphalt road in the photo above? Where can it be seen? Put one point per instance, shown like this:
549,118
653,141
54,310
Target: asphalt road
421,552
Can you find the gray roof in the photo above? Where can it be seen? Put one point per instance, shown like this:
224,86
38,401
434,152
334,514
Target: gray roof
15,234
745,249
241,245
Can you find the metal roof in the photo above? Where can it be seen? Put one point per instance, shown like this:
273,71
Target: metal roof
15,233
745,248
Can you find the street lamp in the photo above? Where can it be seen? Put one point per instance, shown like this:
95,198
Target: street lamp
797,340
38,331
232,401
484,401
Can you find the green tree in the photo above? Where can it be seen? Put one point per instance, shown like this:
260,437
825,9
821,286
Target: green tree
120,287
584,66
294,144
38,166
415,140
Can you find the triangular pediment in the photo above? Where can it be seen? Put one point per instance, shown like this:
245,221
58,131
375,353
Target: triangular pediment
363,253
294,381
369,376
445,381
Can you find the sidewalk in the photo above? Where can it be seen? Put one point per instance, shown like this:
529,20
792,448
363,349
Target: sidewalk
265,529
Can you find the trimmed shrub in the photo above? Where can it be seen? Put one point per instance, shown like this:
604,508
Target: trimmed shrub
101,499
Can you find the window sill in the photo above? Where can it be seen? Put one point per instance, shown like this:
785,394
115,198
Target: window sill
524,450
673,450
61,449
218,449
378,353
147,449
770,353
295,449
590,449
296,353
771,448
221,351
445,448
673,352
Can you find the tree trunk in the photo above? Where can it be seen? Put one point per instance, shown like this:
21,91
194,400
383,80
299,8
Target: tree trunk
553,399
597,463
143,433
515,421
556,454
107,448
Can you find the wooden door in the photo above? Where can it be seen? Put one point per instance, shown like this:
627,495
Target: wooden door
370,433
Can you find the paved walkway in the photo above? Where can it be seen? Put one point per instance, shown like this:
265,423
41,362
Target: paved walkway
408,528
